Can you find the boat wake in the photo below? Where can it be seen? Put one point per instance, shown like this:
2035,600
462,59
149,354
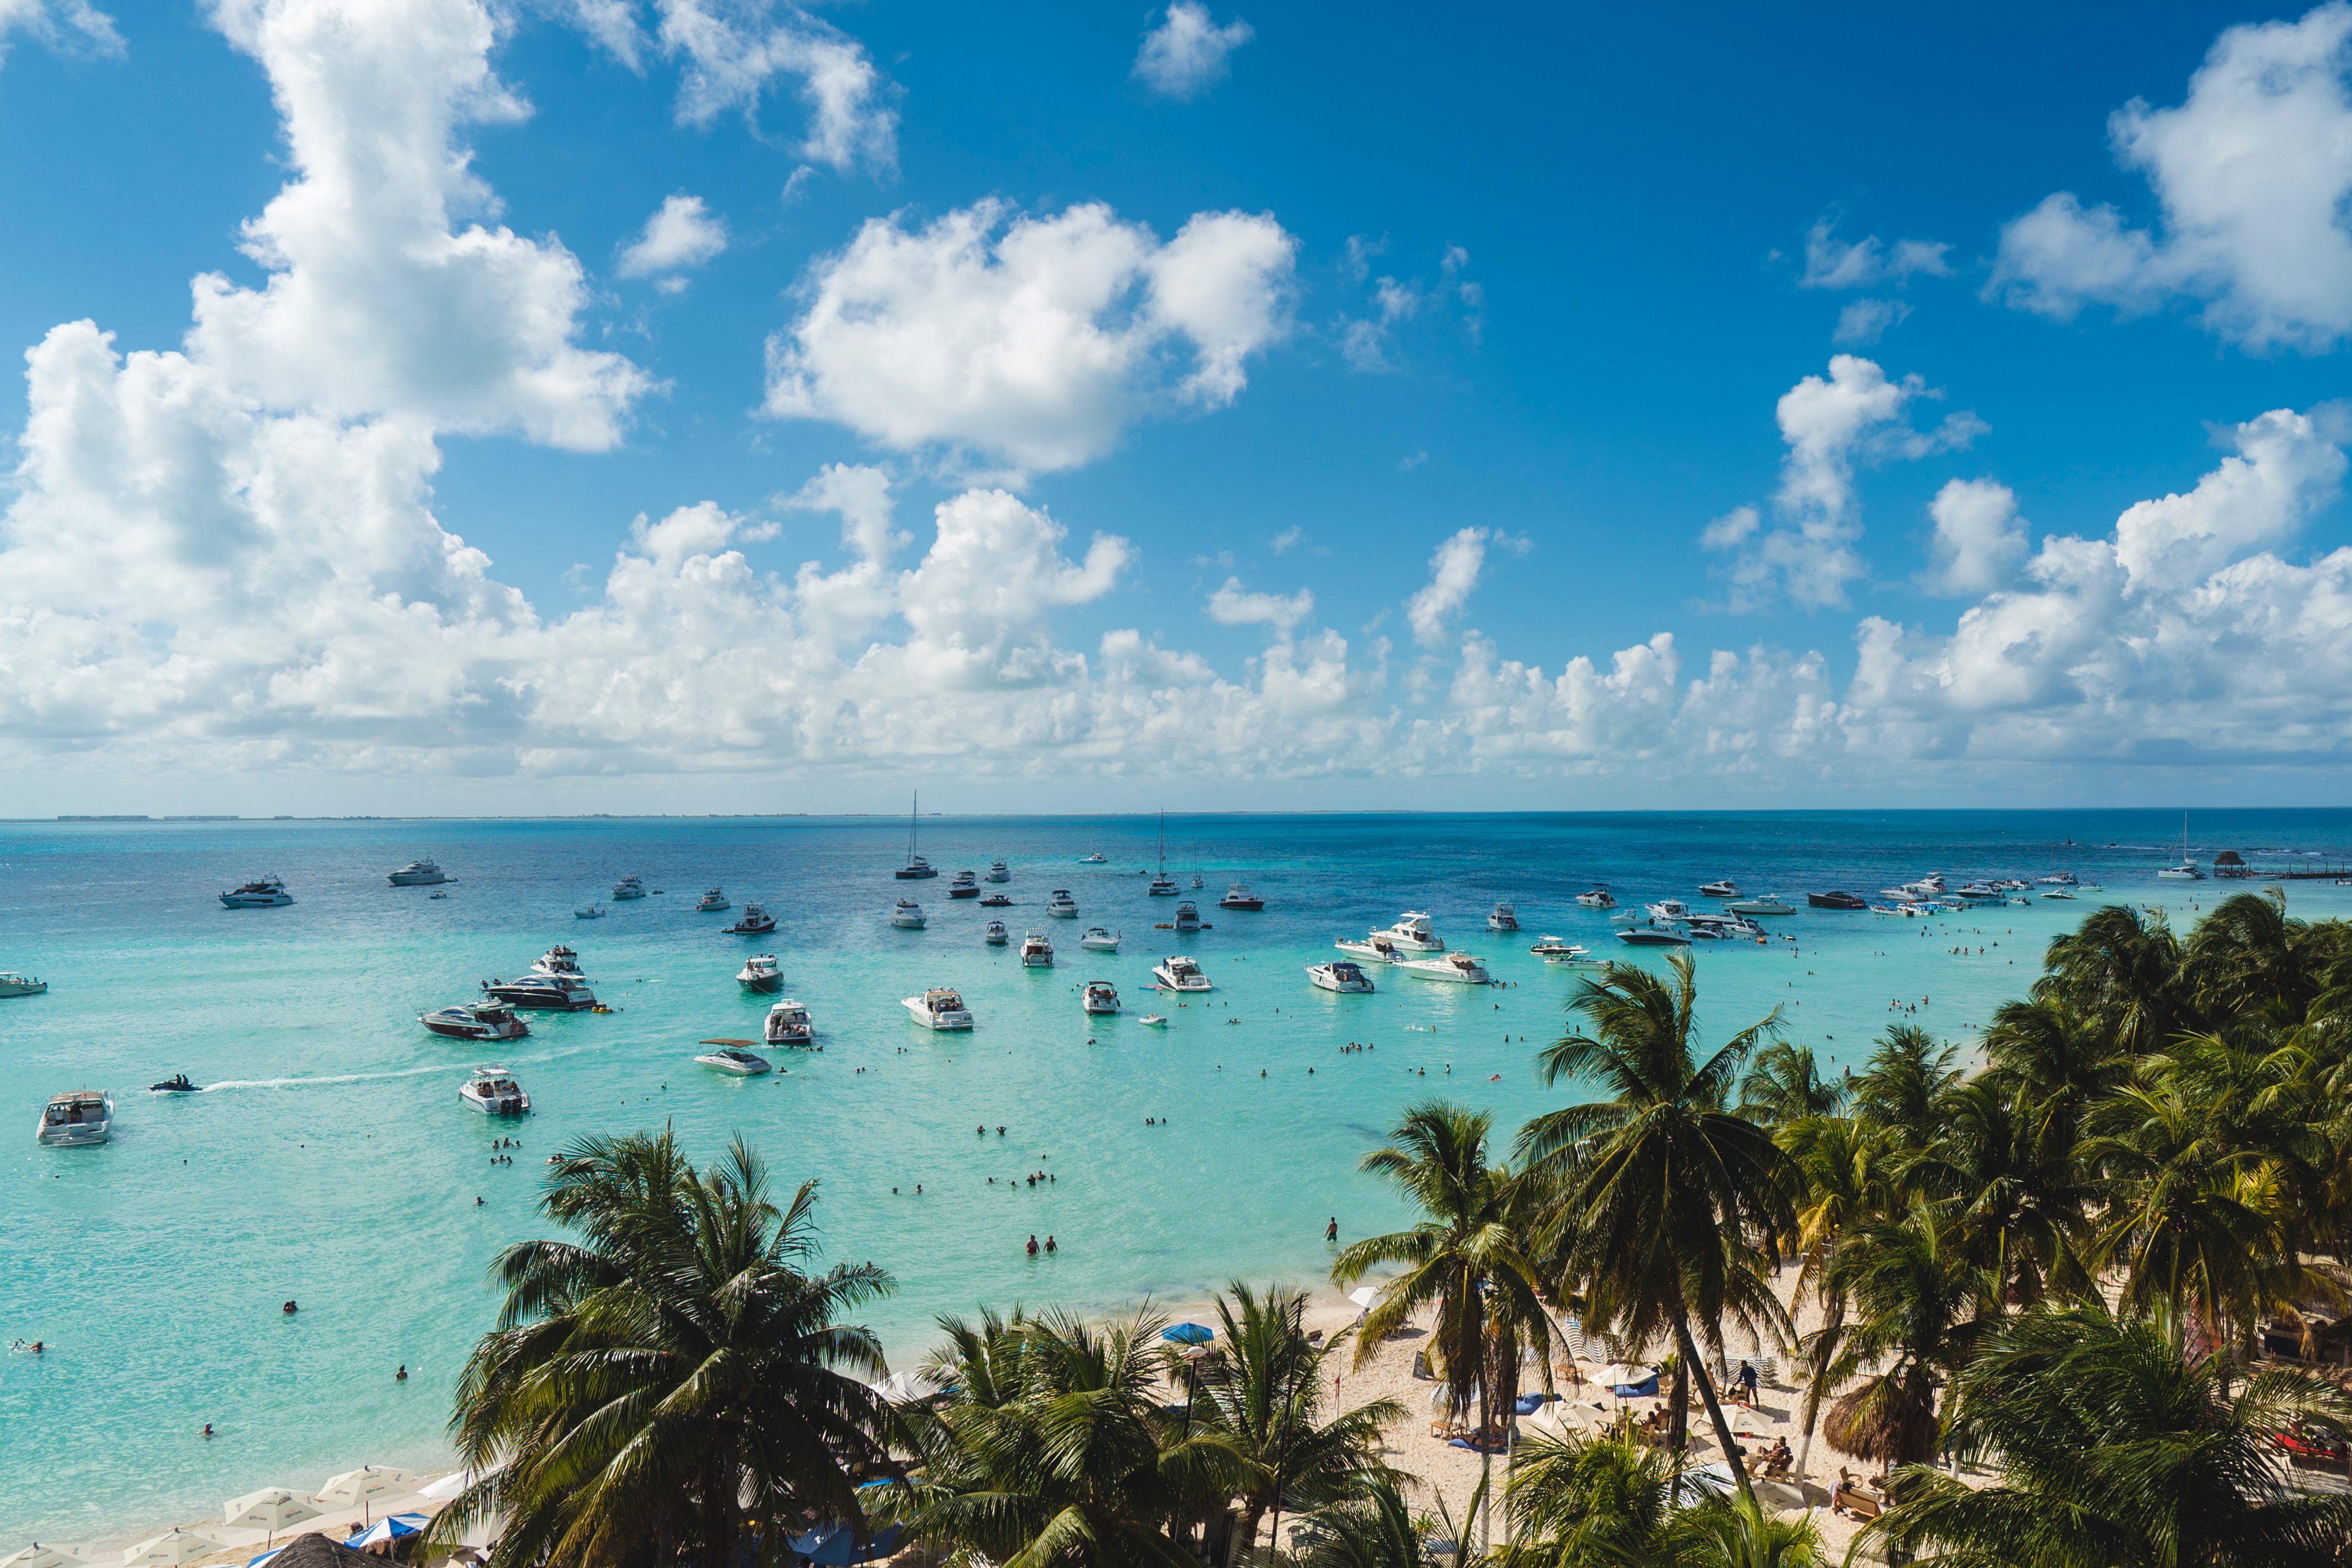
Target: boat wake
329,1081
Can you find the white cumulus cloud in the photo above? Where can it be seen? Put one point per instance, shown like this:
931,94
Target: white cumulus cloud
67,27
1234,605
681,234
1186,54
1979,538
734,49
1868,262
1454,571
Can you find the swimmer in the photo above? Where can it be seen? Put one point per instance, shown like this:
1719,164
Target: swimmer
209,1429
1049,1245
1033,1246
288,1309
402,1376
1331,1231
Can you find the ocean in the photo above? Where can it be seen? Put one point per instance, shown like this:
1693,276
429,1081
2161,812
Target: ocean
329,1160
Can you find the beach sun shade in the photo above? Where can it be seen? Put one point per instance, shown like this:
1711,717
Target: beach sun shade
170,1550
1187,1334
906,1388
1364,1295
271,1509
367,1481
39,1556
391,1527
835,1545
314,1551
456,1481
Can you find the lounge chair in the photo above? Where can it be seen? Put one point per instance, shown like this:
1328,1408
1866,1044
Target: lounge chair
1854,1502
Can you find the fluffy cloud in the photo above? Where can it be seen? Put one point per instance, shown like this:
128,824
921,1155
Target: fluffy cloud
1865,321
1186,54
733,51
1979,538
680,235
2252,172
1868,262
1234,605
1454,571
1037,341
69,26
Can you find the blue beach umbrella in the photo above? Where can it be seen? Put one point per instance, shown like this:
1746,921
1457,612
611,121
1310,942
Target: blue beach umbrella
835,1545
1187,1334
391,1527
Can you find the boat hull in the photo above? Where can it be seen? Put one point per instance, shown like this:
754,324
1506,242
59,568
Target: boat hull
761,985
418,879
24,987
497,1104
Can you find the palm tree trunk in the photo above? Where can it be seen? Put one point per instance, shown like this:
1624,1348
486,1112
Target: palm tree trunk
1832,1323
1679,1406
1714,1410
721,1506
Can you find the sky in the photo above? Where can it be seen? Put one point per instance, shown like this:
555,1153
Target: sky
572,405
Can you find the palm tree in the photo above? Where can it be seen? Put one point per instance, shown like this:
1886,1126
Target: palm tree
2054,1065
1267,1399
1919,1304
673,1369
1376,1529
2123,974
2118,1450
1678,1204
1579,1502
2246,960
1902,1090
1738,1533
1785,1085
2018,1205
1842,1170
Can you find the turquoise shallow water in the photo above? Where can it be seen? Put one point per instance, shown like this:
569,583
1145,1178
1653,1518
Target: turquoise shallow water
330,1161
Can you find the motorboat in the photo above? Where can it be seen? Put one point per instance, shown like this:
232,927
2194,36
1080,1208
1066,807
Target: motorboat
588,912
1565,953
419,874
176,1084
494,1092
1668,909
997,934
712,902
76,1117
997,901
1376,949
1503,917
15,985
941,1008
1181,974
965,886
2186,870
1037,953
2014,885
1597,897
1099,997
1153,1020
917,868
1653,937
1459,967
734,1060
261,893
542,993
759,973
559,961
1836,900
1410,933
1980,892
753,922
1725,925
1061,906
998,871
1097,940
788,1024
476,1020
1093,857
906,914
1188,916
1163,886
1340,974
1723,887
627,888
2065,893
1769,903
2059,879
1239,896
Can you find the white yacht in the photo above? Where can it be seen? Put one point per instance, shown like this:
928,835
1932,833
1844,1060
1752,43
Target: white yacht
1459,967
2059,879
1181,974
759,973
493,1092
627,888
1339,975
15,985
1736,926
1376,949
588,912
1239,896
966,884
1100,997
1503,917
419,874
1566,954
753,922
940,1008
2186,870
476,1020
788,1024
1722,888
997,934
1037,953
558,961
1653,937
906,914
261,893
1597,897
712,902
1668,909
1188,916
79,1116
1097,940
2065,893
998,871
735,1061
542,993
917,868
1410,933
1062,906
1769,903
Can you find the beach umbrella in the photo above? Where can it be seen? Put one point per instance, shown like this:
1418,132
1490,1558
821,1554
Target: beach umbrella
1704,1480
391,1527
1187,1334
170,1550
39,1556
266,1558
367,1482
1364,1296
456,1481
906,1388
835,1545
271,1509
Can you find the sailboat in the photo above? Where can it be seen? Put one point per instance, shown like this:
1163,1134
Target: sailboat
917,867
1196,865
1163,886
2187,871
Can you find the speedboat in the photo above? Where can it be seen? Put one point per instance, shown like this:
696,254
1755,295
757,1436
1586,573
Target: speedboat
997,901
735,1061
1722,888
1668,909
1376,949
1836,900
1725,926
493,1092
2059,879
559,961
1598,897
997,934
419,874
753,922
1769,904
1339,975
1410,933
940,1008
1100,997
15,985
1153,1020
1181,974
1239,896
1062,906
261,893
1093,857
476,1020
1097,940
998,871
1503,917
1459,967
759,973
176,1084
906,914
965,886
1653,937
542,993
1037,953
76,1117
2065,893
917,868
1188,916
788,1024
627,888
588,912
1567,955
712,902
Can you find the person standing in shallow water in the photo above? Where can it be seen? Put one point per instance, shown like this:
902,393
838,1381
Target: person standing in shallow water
1331,1231
1033,1246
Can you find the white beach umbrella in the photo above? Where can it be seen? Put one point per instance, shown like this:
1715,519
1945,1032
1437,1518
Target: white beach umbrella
367,1482
39,1556
1619,1372
906,1388
271,1509
1364,1296
171,1549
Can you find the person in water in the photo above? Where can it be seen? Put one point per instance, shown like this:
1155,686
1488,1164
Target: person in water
1331,1231
1049,1245
1033,1245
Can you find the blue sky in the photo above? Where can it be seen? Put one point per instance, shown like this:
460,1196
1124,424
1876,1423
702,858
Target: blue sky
1247,405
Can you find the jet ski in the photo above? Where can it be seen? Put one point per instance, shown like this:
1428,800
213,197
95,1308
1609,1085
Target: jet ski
176,1084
